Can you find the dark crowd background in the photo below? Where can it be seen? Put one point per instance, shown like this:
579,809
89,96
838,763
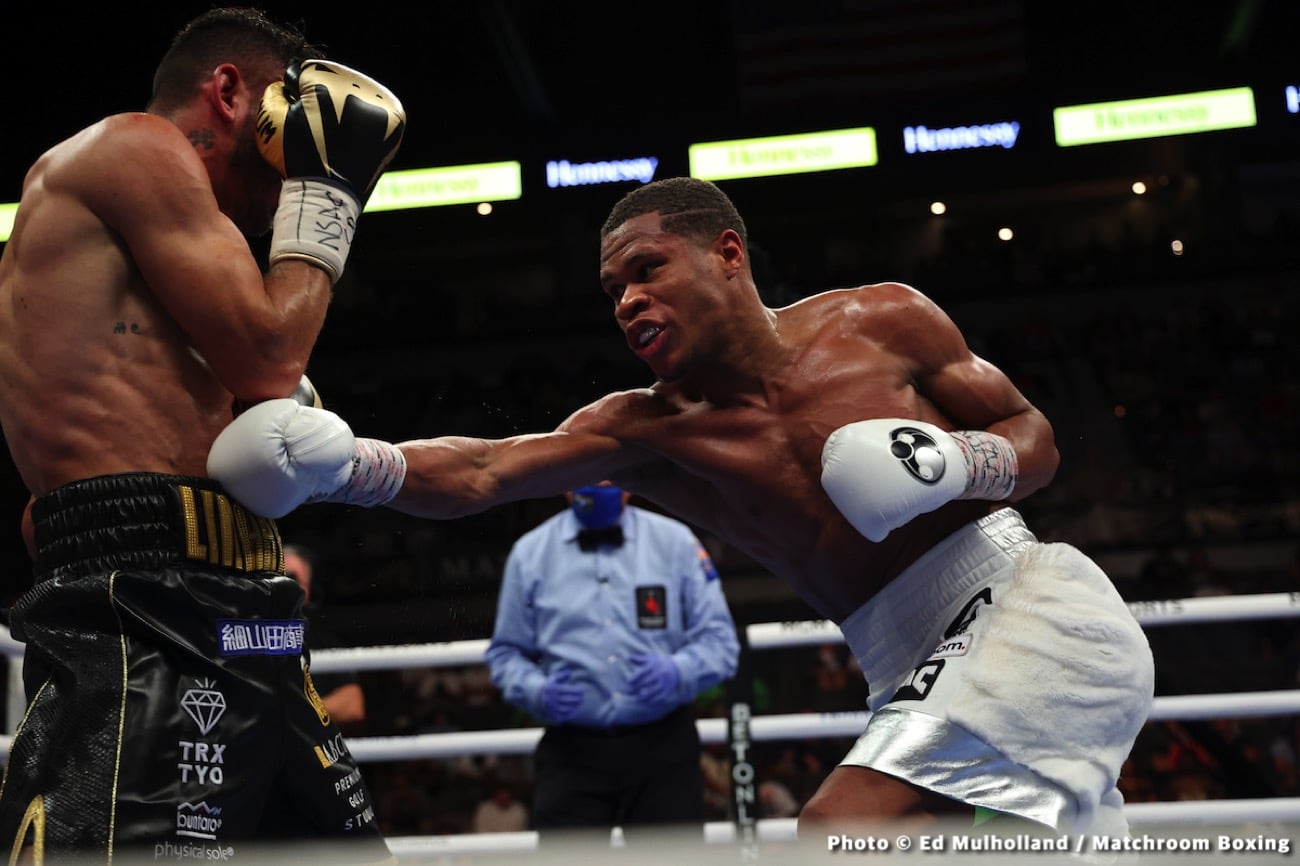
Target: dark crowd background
1156,330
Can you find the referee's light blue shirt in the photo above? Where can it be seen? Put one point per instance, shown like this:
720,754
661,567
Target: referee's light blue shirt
590,612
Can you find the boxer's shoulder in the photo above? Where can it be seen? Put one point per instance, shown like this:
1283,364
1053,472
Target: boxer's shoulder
866,308
618,413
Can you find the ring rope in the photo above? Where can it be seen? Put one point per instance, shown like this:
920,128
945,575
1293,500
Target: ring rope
776,727
774,635
792,726
778,635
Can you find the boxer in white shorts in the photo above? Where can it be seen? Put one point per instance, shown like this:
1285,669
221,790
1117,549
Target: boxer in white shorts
989,661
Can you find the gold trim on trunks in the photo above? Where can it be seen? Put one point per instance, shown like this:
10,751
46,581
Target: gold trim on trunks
34,820
220,531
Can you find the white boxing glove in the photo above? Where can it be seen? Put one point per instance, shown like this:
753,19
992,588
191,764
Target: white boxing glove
883,472
279,454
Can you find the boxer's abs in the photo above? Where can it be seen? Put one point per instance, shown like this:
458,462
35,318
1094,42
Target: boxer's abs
846,575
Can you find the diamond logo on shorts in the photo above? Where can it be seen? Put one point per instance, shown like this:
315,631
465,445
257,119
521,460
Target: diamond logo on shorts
205,705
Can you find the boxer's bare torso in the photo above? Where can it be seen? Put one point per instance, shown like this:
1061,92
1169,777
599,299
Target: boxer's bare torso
748,395
95,377
730,438
122,285
748,469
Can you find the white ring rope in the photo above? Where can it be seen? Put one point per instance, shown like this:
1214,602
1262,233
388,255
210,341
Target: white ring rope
790,726
433,655
776,635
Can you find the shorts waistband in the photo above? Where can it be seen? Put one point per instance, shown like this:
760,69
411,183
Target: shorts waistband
886,633
148,520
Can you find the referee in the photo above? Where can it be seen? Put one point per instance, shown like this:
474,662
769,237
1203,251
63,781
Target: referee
611,619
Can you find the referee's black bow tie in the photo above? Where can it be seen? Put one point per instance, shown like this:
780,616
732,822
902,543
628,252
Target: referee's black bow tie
590,539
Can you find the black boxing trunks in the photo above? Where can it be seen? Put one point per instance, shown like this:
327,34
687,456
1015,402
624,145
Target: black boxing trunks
170,712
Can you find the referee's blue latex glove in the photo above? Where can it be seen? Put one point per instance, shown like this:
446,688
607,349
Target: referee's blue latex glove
655,679
560,701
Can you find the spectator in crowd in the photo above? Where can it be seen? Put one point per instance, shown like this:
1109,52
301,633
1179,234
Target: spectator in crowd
500,812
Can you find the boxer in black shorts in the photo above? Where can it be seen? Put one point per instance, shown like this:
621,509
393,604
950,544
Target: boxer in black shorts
170,710
192,728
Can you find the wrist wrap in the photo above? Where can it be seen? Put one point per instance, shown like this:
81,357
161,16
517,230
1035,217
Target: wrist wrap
315,222
378,470
991,465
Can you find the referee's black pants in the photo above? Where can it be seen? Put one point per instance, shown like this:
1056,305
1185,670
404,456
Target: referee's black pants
624,776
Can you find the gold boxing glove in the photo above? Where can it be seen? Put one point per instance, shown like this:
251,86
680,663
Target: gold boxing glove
330,131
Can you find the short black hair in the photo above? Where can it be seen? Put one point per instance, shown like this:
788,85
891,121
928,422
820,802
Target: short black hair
687,206
231,34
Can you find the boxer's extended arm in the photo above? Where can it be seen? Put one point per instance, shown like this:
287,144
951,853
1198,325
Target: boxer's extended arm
452,476
279,454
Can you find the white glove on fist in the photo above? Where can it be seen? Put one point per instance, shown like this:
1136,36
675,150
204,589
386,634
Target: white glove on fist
279,454
883,472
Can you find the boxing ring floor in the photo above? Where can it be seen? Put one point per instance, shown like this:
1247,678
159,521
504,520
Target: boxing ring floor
1238,831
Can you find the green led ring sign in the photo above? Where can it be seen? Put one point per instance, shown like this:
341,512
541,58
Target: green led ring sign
455,184
8,212
1154,117
784,154
398,190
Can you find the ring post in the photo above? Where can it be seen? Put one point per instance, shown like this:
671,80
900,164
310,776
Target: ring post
744,784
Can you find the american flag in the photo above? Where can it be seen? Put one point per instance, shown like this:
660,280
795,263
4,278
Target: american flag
814,53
